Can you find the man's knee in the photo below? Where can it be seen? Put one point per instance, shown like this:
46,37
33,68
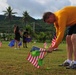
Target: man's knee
73,38
68,38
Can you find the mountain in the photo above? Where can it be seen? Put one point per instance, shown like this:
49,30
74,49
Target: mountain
6,26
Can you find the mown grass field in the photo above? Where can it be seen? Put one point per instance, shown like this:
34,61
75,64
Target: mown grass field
13,62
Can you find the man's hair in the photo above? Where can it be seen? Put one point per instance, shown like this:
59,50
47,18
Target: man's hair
46,15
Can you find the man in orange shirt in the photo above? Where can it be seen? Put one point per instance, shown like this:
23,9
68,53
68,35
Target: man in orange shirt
63,18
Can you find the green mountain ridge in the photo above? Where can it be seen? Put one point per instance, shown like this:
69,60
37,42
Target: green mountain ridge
6,26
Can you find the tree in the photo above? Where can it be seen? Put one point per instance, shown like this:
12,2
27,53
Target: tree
42,37
25,17
9,13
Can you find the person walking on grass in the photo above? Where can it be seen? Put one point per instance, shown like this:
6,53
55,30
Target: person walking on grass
17,33
62,19
25,35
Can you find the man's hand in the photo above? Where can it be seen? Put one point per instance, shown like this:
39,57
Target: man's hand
50,49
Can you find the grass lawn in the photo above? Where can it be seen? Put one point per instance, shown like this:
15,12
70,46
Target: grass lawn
13,62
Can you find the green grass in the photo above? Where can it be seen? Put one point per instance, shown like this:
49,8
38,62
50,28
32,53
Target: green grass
13,62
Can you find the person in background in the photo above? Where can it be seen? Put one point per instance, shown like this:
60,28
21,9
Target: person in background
62,19
18,34
25,35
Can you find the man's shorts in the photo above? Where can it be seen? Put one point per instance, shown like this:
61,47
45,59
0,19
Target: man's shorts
71,30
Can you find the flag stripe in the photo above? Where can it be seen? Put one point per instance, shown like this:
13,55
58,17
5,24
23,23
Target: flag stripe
53,42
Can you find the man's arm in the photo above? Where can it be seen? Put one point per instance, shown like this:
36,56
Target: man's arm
60,31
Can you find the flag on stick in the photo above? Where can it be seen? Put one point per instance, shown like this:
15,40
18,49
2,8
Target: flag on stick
28,39
45,45
20,43
53,42
12,43
0,44
35,59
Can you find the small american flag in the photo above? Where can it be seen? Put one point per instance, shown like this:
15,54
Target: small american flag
34,60
53,42
45,45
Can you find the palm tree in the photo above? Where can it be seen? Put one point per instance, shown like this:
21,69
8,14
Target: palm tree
25,17
9,12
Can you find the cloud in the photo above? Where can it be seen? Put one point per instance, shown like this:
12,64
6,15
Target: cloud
73,2
3,5
31,6
35,8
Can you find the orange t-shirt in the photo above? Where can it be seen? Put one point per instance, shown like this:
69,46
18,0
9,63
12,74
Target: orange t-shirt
64,17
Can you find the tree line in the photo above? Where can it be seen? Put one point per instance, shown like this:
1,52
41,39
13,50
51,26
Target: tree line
37,28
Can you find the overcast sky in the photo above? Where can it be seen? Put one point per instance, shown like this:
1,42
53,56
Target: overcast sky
35,8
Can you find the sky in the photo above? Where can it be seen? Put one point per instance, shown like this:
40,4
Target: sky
35,8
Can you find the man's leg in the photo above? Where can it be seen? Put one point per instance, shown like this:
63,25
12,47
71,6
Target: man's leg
73,38
69,47
69,51
73,63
